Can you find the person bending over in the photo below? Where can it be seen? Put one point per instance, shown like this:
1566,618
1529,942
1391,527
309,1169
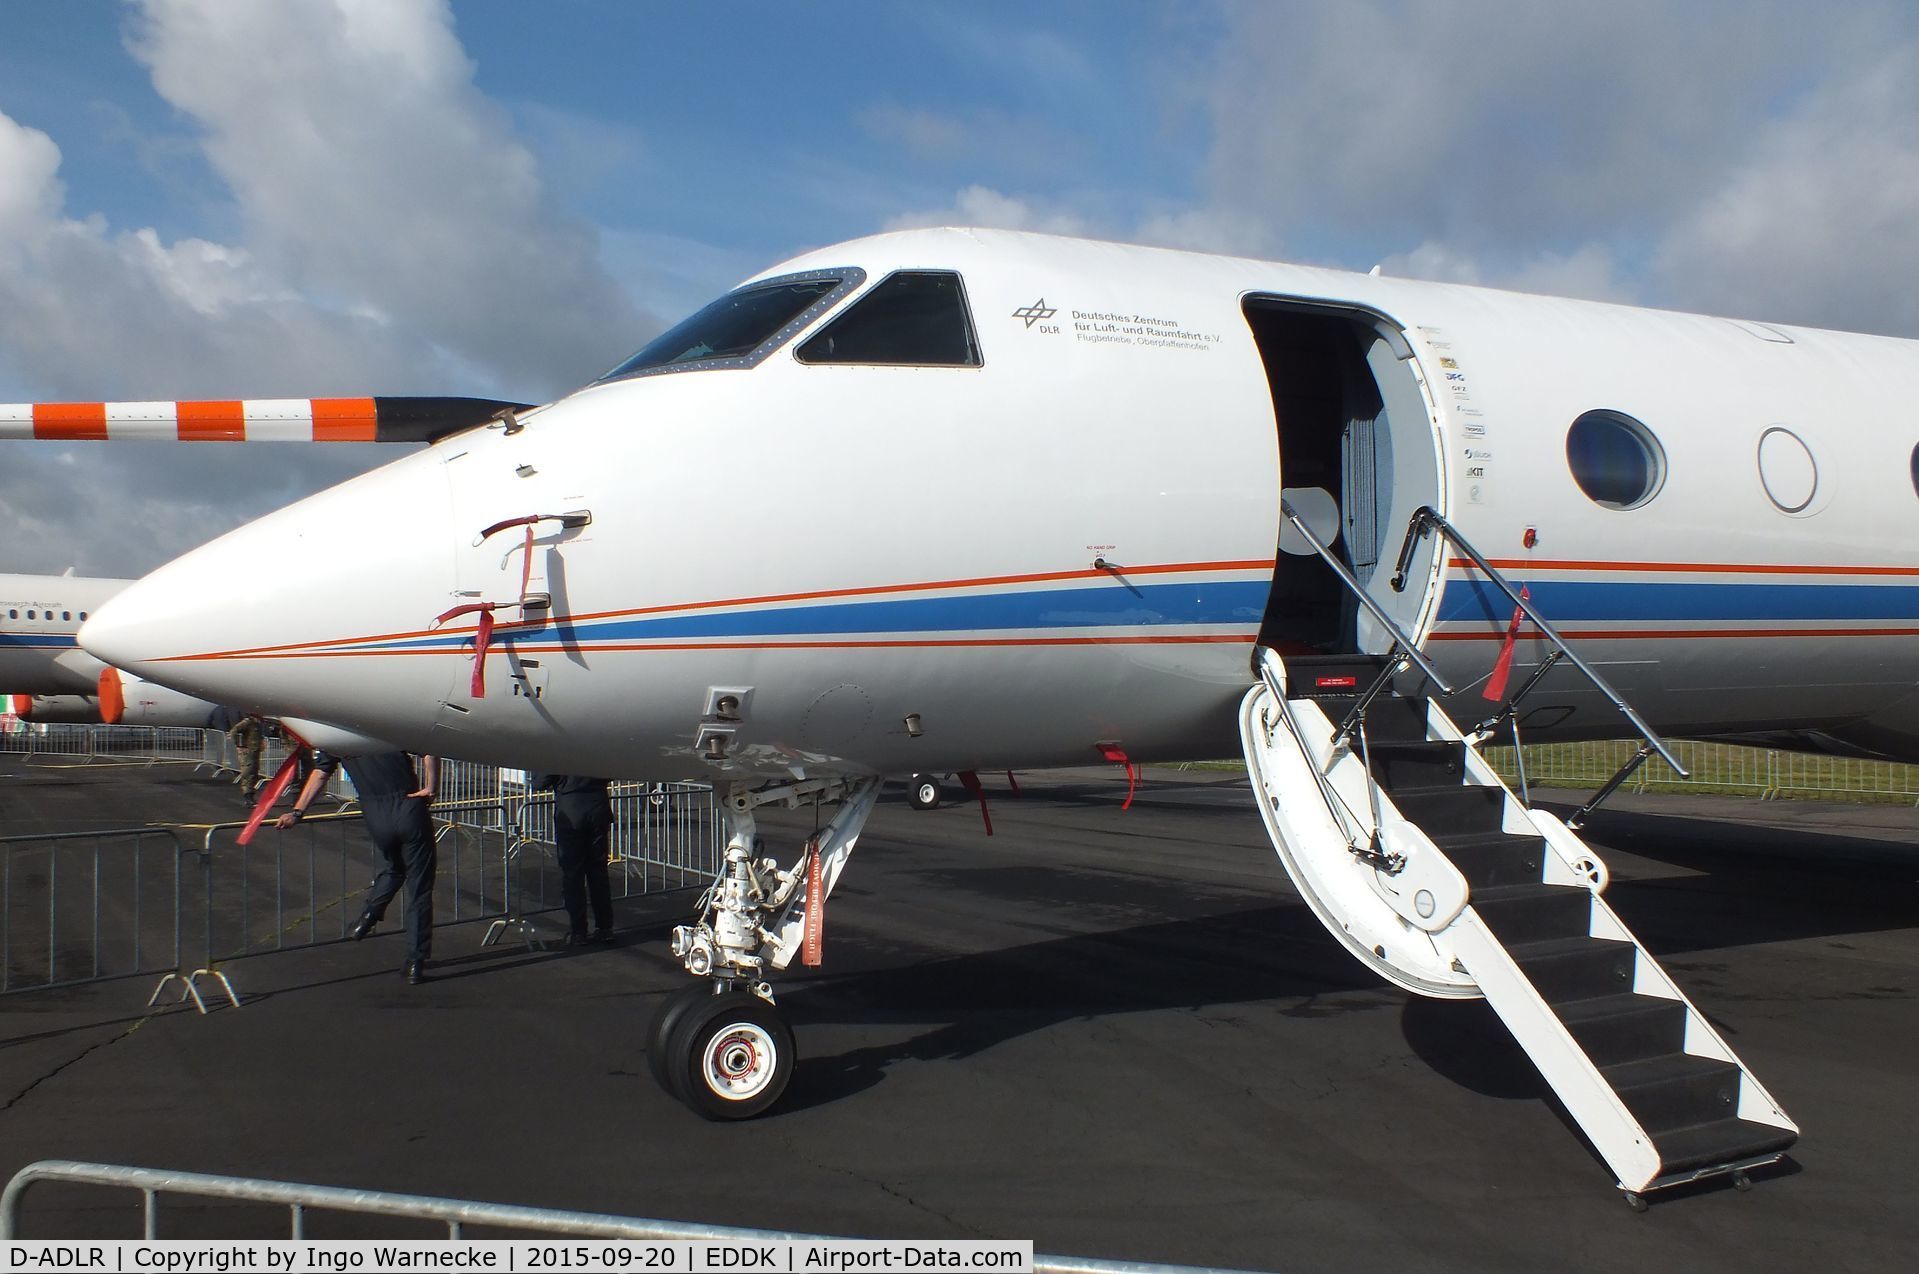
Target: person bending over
396,801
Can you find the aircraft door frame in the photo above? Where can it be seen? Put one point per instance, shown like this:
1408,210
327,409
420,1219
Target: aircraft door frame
1338,371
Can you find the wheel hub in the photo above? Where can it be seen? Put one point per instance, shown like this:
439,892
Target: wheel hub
739,1062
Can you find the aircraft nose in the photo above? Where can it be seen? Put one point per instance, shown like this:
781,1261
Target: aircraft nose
278,615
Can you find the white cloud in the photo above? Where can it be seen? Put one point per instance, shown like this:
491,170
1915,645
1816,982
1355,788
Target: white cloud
1222,230
364,161
30,192
395,238
1488,122
1589,271
1098,216
988,208
1819,221
1758,157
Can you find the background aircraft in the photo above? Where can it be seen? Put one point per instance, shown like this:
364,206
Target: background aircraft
49,678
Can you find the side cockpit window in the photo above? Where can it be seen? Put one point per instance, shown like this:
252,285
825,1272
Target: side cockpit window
915,318
744,326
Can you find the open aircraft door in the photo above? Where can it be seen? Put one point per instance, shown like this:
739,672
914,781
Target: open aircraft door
1359,454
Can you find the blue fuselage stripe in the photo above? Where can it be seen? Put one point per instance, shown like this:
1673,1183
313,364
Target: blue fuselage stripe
1212,602
38,641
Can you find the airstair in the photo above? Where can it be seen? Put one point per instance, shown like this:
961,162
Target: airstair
1416,856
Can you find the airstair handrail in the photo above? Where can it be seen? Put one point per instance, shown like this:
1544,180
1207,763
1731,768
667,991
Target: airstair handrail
1271,669
1425,518
1358,590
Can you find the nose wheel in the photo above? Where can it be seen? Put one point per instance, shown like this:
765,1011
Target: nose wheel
727,1055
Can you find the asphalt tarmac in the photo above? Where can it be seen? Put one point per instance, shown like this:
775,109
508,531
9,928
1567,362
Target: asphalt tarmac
1118,1034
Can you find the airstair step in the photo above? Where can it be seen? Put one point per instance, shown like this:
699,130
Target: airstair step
1564,969
1331,676
1720,1142
1409,764
1625,1027
1535,912
1441,811
1678,1090
1388,719
1489,860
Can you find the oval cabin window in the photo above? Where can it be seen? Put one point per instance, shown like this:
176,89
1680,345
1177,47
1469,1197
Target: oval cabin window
1615,460
1787,470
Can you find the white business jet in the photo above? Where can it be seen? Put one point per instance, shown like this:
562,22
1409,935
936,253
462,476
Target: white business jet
956,500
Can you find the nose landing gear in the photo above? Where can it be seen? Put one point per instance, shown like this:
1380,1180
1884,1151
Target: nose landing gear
721,1045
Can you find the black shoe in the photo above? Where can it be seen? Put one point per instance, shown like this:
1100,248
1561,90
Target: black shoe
601,938
362,927
415,972
575,939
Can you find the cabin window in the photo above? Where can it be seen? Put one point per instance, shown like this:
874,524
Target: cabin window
915,318
1787,470
14,614
742,327
32,615
1615,460
66,616
1915,470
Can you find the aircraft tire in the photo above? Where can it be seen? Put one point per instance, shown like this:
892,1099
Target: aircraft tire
660,1032
732,1055
923,792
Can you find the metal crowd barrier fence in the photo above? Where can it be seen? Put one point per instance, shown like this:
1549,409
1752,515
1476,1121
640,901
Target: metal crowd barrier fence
665,836
668,835
1767,773
38,742
83,906
455,1214
86,744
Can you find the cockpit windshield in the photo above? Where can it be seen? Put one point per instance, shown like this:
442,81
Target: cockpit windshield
742,327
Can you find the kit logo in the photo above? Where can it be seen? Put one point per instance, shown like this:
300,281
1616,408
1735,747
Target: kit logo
1038,312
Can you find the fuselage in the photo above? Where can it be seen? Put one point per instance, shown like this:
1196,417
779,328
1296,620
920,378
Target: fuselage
1064,534
40,618
47,676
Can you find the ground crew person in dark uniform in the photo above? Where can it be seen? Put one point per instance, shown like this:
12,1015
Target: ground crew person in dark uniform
395,802
582,829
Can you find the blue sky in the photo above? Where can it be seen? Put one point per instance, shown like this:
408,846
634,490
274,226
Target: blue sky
212,198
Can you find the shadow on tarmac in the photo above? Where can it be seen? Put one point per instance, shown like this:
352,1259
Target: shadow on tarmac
1756,885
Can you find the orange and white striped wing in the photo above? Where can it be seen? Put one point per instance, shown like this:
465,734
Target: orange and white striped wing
252,420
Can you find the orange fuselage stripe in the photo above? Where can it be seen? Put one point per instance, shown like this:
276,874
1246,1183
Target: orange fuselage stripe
465,652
